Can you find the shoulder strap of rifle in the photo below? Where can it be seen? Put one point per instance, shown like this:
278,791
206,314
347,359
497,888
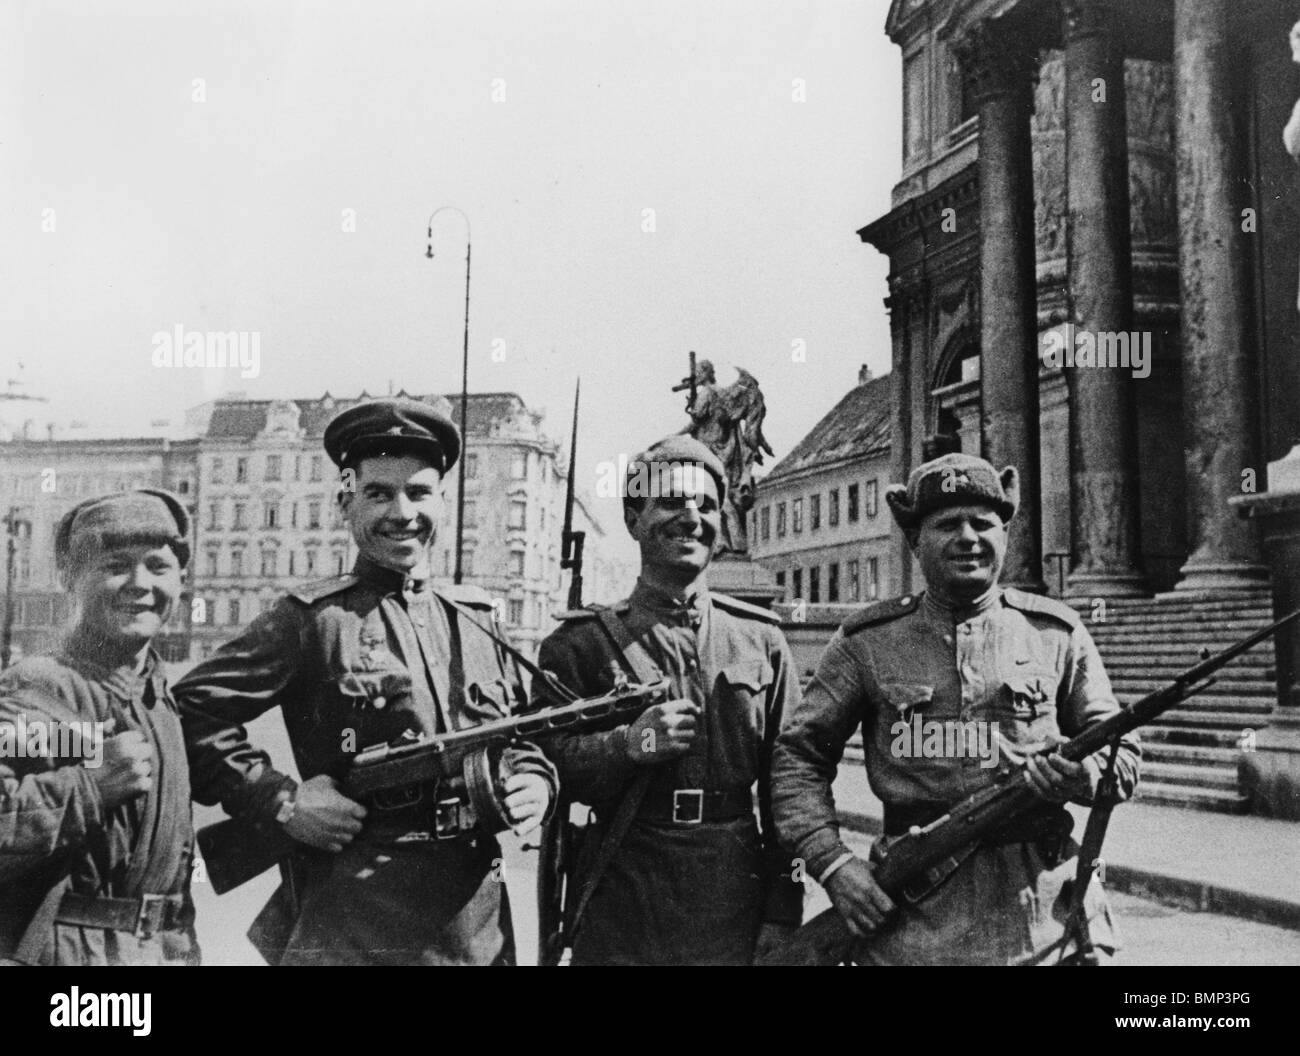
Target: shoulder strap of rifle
643,669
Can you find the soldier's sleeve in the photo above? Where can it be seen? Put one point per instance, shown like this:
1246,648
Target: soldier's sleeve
807,757
592,766
783,903
523,756
242,680
1088,699
44,810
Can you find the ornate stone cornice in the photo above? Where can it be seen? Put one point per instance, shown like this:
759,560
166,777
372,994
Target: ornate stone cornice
1087,18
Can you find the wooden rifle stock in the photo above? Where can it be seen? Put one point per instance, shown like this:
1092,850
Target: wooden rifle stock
826,938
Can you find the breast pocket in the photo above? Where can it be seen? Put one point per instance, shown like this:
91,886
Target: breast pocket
1025,705
903,700
737,715
375,705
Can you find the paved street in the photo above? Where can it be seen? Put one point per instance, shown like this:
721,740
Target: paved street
1153,934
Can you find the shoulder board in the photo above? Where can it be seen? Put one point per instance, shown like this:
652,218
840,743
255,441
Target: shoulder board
322,588
1026,602
881,612
466,594
743,608
588,612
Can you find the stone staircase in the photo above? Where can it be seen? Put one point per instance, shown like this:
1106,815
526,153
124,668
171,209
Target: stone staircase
1190,753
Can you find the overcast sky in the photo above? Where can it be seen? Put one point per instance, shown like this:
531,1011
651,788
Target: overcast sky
198,159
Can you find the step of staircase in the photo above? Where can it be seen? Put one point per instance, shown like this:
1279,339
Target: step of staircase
1222,801
1193,774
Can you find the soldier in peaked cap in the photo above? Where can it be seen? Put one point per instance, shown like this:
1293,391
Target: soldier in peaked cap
360,660
676,868
973,657
96,839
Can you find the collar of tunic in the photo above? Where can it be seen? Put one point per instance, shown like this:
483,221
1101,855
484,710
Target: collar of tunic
85,655
389,580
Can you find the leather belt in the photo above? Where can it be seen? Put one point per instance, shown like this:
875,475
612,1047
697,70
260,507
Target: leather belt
1055,822
142,917
691,806
446,818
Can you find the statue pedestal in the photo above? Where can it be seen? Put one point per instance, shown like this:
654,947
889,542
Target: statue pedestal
1270,774
741,578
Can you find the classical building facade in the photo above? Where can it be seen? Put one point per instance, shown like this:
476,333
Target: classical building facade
1093,264
819,521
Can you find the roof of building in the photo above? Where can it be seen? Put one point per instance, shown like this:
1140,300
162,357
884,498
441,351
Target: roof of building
858,427
245,419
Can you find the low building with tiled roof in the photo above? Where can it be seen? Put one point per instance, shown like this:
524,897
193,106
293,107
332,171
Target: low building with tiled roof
819,521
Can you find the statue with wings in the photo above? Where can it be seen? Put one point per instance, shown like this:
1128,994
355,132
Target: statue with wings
728,419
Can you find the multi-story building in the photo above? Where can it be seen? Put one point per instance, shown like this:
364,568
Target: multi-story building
262,494
819,521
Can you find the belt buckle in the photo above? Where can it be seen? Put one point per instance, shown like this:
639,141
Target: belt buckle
688,806
447,821
148,921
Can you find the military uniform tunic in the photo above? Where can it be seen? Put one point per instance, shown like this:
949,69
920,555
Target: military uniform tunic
1021,664
55,833
353,662
682,894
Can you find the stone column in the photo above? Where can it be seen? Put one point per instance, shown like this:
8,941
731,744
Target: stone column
1218,335
1002,72
1103,431
908,374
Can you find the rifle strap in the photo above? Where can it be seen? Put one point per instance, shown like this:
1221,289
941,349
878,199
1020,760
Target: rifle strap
643,669
1077,928
561,690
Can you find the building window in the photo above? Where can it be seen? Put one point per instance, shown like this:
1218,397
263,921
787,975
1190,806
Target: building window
218,471
516,562
313,472
873,578
184,487
518,514
297,467
240,512
241,471
268,562
780,582
214,517
471,467
467,562
313,515
815,512
233,611
914,104
515,611
291,556
815,584
780,519
833,582
853,581
271,515
796,515
765,523
833,508
519,466
798,584
236,562
212,563
310,557
471,515
272,467
853,504
870,499
340,562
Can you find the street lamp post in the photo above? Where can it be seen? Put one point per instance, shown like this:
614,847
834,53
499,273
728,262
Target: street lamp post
464,389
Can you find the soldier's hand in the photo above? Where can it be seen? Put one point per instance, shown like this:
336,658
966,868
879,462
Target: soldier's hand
126,769
527,796
857,896
324,817
663,732
1056,779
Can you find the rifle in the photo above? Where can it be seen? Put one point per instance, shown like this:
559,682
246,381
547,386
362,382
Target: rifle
558,843
462,765
826,938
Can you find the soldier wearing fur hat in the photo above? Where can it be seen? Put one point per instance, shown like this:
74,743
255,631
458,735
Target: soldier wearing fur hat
96,839
676,869
354,661
949,687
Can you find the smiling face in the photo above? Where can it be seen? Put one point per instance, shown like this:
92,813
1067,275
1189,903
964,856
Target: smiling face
676,531
125,594
960,550
393,509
